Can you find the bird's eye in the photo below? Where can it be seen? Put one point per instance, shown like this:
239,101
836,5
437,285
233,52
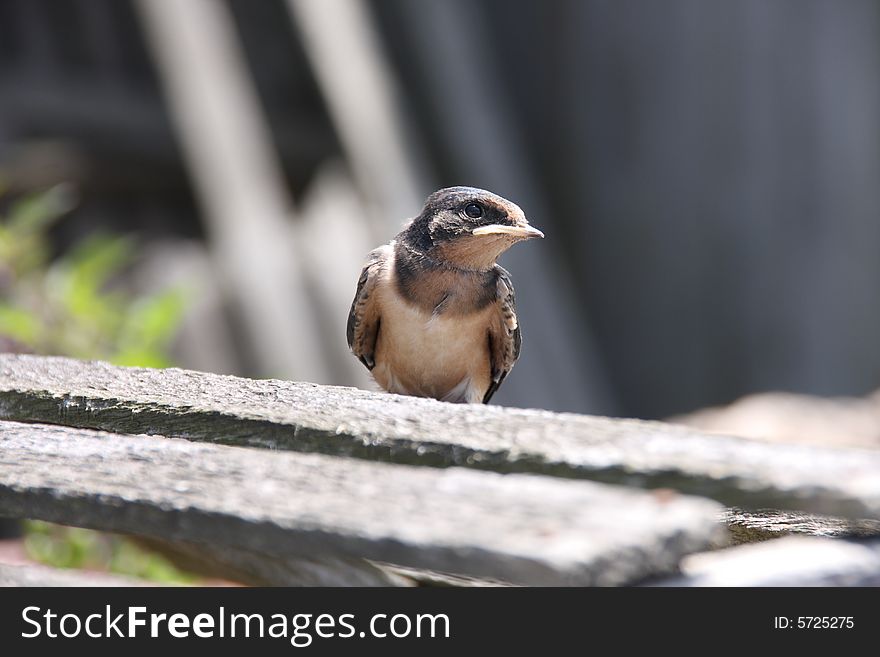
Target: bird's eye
473,210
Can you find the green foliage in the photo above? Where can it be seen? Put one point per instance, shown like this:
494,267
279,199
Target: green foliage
72,306
72,547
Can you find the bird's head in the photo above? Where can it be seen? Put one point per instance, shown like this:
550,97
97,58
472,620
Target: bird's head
468,227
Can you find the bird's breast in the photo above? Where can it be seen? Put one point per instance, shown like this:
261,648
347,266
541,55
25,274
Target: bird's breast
445,356
436,288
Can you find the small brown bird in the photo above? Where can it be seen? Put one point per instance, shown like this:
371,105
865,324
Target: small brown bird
434,315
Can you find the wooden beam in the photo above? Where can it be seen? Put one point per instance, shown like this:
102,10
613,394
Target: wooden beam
343,421
332,513
761,524
793,561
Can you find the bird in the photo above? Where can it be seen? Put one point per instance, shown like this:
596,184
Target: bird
434,315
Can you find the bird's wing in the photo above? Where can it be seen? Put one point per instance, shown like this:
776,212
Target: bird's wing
505,338
363,318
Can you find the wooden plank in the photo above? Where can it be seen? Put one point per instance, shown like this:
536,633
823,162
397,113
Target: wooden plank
792,561
759,525
519,529
344,421
783,417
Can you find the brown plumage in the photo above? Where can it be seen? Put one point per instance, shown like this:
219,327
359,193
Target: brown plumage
434,315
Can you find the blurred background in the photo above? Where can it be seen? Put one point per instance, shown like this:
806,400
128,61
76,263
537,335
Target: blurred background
197,183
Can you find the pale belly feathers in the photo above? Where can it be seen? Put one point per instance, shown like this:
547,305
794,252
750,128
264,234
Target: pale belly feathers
445,357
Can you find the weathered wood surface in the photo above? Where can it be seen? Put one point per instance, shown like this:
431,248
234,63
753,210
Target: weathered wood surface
345,421
338,511
34,575
797,419
791,561
762,524
421,577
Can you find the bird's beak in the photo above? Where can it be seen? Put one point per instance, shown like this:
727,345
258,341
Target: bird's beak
521,230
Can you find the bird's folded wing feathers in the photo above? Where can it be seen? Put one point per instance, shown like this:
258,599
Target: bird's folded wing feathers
505,338
363,318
